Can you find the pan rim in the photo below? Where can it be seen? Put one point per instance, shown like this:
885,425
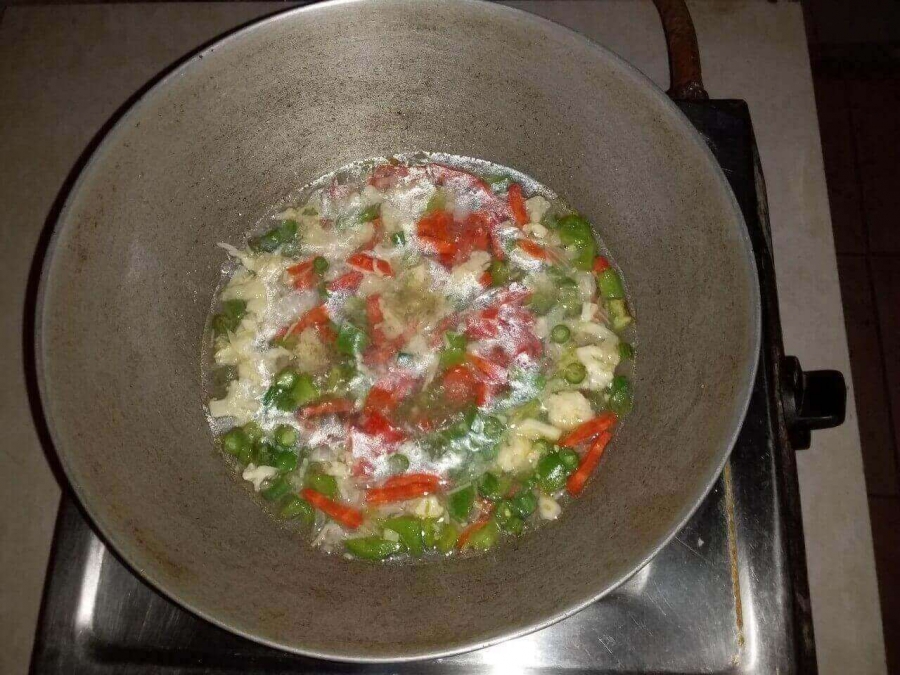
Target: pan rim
121,543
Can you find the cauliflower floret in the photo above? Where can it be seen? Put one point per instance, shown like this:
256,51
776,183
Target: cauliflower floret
586,285
516,454
246,286
428,507
241,402
536,230
600,361
404,204
532,429
536,207
464,278
258,475
588,311
548,508
568,409
312,355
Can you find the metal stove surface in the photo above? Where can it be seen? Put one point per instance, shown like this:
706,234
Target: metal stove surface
728,594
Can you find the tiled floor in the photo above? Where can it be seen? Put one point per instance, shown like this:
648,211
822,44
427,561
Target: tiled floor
858,97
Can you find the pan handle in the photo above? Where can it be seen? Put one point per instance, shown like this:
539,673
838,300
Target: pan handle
684,56
812,399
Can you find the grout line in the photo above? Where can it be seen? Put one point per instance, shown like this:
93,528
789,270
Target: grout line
874,297
878,255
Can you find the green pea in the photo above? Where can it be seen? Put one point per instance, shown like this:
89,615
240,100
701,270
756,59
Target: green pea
372,548
370,213
448,537
508,518
542,446
610,284
552,472
460,503
560,333
398,463
570,459
277,490
320,265
285,435
626,351
575,373
411,531
323,483
295,507
485,537
234,441
351,340
285,461
525,502
621,399
254,431
489,487
398,239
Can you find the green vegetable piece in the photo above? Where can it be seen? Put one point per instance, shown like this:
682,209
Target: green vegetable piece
263,453
351,340
552,472
490,487
411,531
621,399
499,271
498,182
320,265
235,309
492,427
322,482
570,459
285,435
277,490
234,441
254,431
560,334
485,537
338,378
286,378
542,446
575,373
223,324
398,463
626,351
619,315
575,232
398,239
266,243
459,503
286,232
542,300
447,540
372,548
370,213
525,503
285,461
432,529
295,507
508,518
304,391
569,298
610,284
437,202
454,352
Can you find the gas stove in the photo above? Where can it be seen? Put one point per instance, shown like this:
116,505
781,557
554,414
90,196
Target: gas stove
728,594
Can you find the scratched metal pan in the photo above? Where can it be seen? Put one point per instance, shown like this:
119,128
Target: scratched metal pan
133,264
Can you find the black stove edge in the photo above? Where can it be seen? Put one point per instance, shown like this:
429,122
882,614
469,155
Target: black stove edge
58,634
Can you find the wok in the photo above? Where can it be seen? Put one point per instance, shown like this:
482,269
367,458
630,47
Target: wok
133,264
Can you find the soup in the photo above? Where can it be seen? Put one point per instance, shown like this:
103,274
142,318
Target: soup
419,357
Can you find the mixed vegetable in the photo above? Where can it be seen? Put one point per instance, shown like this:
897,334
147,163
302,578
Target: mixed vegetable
420,359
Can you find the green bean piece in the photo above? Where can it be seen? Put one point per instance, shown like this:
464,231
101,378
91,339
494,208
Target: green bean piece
370,213
285,461
560,334
508,518
320,265
499,271
626,351
575,373
322,482
285,435
398,463
304,391
460,502
485,537
454,352
278,489
351,340
570,459
411,531
432,529
398,239
621,399
542,446
575,233
234,441
619,315
610,284
372,548
552,472
525,502
447,540
295,507
489,487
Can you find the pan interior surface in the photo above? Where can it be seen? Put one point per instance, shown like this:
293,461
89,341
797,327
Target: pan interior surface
206,153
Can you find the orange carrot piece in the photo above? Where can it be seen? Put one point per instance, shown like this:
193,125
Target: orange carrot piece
587,430
347,282
345,515
575,483
333,406
436,245
467,533
400,493
536,251
403,480
517,204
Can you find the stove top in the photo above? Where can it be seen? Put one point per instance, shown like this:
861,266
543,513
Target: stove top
728,594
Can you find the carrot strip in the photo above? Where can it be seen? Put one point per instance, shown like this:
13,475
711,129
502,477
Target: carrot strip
486,279
575,483
534,250
345,515
400,493
491,371
317,316
373,310
587,430
436,245
403,480
300,267
347,282
334,406
517,204
497,246
467,533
